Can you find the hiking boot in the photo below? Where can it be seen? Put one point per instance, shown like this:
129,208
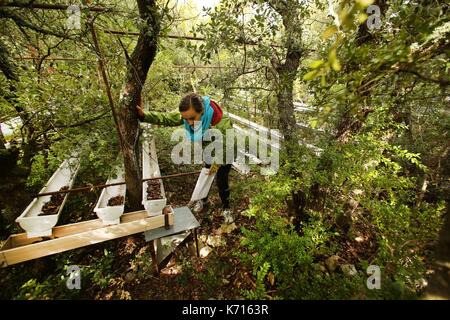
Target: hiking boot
199,205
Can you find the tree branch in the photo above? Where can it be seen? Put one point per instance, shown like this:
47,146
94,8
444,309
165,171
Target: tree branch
442,82
86,121
19,21
102,67
45,6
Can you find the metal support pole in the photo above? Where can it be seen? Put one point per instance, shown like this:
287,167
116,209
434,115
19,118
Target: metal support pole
153,254
196,242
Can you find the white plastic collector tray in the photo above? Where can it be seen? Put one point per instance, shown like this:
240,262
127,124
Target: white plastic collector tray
41,226
111,214
150,169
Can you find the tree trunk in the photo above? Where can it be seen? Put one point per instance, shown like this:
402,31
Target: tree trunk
2,140
137,67
285,103
287,71
286,75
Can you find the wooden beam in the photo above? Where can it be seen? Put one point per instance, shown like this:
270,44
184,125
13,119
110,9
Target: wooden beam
71,240
7,244
21,239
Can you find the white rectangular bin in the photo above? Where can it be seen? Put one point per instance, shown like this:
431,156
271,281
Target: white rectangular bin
41,226
150,169
107,213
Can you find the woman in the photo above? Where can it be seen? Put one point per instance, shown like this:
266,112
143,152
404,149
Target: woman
192,108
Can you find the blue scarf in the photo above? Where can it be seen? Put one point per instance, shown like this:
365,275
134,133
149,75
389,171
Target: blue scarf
197,133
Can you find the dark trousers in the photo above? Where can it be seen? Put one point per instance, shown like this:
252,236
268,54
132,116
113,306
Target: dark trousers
222,184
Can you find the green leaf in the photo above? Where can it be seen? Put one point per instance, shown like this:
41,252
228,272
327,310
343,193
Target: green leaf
316,63
362,18
329,32
364,3
311,75
334,61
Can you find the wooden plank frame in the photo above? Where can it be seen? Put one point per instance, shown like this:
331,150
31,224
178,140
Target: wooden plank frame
18,248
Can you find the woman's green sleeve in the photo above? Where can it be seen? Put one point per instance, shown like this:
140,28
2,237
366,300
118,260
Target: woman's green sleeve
168,119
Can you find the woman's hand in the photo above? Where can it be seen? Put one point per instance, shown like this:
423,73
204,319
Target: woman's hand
140,109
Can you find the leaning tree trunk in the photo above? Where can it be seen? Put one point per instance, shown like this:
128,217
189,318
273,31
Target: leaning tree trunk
287,71
286,75
137,67
285,104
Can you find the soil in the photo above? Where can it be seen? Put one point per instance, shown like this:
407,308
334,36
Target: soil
51,207
116,201
154,190
352,250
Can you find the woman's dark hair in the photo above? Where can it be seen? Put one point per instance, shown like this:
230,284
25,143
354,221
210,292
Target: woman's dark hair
192,99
